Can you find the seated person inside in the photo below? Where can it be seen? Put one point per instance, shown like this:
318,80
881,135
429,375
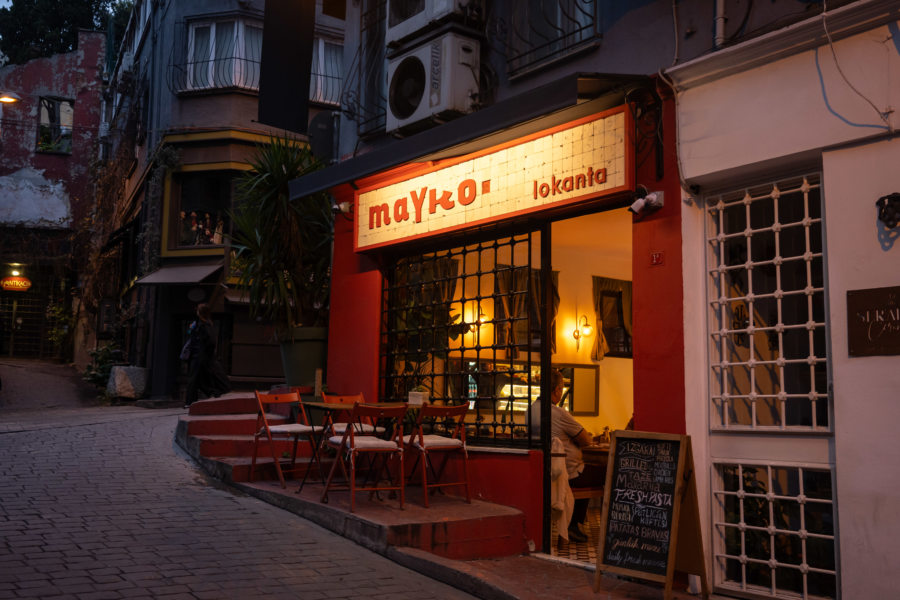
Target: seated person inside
574,437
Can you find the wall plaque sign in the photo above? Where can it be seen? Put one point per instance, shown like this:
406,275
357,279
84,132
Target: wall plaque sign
873,321
577,161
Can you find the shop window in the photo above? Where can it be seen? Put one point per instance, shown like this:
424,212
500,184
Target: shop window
612,311
325,80
200,207
542,31
224,54
774,530
767,308
55,126
460,325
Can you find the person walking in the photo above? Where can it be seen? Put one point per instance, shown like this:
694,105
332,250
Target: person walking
205,374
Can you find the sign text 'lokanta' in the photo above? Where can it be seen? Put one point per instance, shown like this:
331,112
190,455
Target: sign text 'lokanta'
15,284
585,159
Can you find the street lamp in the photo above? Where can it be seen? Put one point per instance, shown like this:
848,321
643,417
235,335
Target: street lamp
8,97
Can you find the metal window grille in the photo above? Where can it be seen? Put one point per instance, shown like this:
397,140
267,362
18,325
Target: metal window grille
541,31
773,531
769,365
443,331
364,95
216,55
325,80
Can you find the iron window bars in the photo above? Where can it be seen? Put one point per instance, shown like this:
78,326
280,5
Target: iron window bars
448,326
767,308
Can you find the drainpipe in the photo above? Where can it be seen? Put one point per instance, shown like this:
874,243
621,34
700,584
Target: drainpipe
720,23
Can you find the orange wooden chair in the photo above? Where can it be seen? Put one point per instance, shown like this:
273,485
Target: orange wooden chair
338,427
446,436
369,454
271,406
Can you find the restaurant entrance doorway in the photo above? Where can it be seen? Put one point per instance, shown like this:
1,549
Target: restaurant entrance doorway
592,255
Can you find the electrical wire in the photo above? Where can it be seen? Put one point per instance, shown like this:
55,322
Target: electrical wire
881,115
675,28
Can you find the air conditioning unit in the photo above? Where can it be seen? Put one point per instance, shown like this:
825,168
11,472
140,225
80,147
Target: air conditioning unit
437,79
405,17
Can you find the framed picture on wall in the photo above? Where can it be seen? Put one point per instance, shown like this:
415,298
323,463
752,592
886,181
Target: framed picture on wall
582,394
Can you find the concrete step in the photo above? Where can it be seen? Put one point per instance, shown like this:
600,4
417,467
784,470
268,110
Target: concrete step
229,424
237,469
242,446
227,404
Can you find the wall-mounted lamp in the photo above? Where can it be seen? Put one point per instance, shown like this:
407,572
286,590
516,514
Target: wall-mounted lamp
481,320
582,329
9,97
889,210
14,273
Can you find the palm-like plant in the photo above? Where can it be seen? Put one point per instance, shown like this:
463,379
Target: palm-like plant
282,249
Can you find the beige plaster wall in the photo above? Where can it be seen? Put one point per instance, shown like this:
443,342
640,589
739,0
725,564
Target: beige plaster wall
866,389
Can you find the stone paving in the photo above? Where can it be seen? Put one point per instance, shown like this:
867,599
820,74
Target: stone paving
96,502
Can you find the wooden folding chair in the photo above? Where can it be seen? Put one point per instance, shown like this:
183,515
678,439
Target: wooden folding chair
447,436
352,447
282,405
334,427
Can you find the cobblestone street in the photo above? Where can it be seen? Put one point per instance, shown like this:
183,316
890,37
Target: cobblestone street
97,503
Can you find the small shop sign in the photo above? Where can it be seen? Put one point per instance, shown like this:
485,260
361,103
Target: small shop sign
873,321
15,283
578,161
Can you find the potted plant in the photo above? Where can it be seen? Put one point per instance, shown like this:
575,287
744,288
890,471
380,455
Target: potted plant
282,254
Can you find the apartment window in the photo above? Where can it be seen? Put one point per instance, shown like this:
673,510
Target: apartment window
541,31
774,530
200,209
224,54
325,81
767,308
55,126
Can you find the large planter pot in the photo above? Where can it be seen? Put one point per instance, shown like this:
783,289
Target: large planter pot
303,355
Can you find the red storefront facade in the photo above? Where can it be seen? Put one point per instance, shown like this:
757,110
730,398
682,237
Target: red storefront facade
512,474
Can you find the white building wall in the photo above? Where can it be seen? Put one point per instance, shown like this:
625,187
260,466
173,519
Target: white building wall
791,108
866,389
756,125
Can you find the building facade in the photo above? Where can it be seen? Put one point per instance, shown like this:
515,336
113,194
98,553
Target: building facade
182,124
676,208
47,144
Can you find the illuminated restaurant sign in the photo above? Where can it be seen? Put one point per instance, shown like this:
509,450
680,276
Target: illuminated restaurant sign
15,284
579,161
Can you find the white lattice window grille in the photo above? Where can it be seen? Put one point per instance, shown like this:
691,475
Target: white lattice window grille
768,355
773,530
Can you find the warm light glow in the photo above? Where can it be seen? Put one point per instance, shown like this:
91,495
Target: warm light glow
15,273
9,97
476,323
582,329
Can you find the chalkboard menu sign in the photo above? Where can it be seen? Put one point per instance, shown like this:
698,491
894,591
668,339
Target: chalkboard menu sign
650,496
642,496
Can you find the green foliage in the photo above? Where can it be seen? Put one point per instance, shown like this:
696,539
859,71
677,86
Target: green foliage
61,322
282,248
103,359
35,28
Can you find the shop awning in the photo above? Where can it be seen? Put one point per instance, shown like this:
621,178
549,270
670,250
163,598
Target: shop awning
535,110
180,274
